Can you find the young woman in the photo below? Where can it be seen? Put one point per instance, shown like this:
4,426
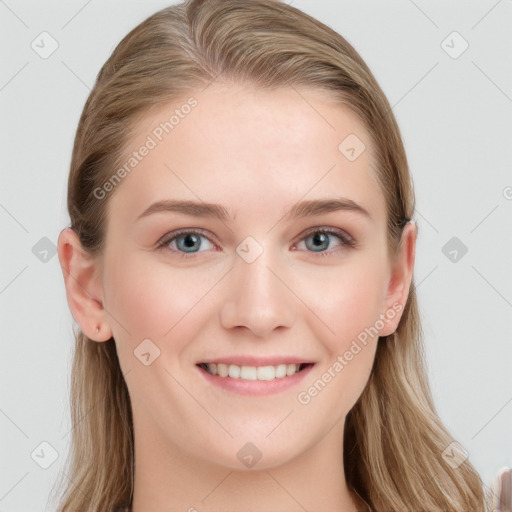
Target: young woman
240,264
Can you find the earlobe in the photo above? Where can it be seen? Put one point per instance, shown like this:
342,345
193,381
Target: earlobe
400,281
83,284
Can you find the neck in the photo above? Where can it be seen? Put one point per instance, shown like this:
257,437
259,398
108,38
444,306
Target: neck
171,480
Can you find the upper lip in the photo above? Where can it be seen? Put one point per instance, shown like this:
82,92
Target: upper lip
257,361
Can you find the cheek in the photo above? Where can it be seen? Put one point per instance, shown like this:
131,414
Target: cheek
348,300
349,305
152,300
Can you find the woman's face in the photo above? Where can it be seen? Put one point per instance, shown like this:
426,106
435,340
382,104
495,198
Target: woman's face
253,284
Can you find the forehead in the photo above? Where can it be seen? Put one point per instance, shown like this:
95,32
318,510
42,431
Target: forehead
253,149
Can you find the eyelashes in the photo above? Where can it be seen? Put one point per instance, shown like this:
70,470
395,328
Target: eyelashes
183,234
346,241
195,236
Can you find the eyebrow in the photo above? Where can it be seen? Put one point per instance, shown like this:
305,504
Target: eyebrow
301,209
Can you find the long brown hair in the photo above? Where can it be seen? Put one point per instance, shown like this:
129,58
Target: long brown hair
394,440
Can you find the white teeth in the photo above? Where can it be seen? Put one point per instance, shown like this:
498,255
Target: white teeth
252,372
222,370
234,371
266,373
281,371
248,372
291,369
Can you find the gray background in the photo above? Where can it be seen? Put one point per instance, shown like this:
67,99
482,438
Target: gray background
455,113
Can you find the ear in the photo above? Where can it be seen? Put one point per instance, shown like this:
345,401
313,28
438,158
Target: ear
400,280
84,289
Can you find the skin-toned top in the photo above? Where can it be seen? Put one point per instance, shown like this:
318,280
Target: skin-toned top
362,503
128,509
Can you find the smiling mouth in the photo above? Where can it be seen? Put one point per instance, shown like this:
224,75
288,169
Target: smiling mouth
268,372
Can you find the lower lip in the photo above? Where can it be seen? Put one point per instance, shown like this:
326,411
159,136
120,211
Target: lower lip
256,387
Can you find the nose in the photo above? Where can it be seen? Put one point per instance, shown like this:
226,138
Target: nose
258,297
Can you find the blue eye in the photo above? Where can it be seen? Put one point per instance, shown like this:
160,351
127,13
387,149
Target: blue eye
321,240
188,242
